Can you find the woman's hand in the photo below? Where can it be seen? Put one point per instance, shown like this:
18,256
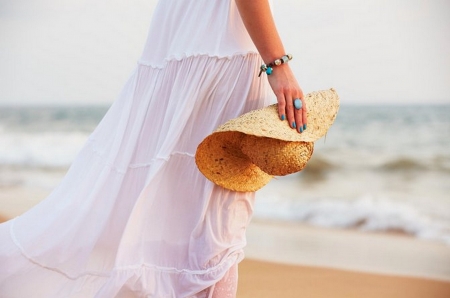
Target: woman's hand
286,89
258,21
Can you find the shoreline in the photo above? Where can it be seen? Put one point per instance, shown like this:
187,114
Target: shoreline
285,259
391,254
351,250
268,279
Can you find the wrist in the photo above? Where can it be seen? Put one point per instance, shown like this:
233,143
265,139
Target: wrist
268,68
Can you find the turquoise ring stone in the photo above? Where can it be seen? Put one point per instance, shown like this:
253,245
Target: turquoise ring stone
298,104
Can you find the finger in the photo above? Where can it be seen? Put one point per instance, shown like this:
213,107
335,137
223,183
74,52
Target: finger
305,113
290,111
298,108
281,106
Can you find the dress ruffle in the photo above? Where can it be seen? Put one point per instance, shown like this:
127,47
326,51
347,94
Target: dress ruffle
133,216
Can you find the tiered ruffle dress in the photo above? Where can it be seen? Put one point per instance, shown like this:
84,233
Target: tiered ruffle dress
134,217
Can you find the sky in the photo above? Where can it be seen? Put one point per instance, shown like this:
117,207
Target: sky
80,52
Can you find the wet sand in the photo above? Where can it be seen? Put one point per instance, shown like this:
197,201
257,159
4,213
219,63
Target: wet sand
295,260
266,279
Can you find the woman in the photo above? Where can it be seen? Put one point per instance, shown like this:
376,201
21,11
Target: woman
134,217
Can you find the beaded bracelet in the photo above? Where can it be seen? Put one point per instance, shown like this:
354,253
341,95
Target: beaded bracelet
269,67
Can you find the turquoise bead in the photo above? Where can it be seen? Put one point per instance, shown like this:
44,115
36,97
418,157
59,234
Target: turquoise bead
269,70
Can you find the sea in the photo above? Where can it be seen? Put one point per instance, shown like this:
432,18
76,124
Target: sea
378,169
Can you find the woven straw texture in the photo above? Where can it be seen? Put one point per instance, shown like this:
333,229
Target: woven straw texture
244,153
220,158
322,110
277,157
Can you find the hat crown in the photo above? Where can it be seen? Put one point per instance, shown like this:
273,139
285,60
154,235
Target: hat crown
244,153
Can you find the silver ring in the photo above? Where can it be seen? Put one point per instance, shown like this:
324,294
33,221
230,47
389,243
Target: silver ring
298,104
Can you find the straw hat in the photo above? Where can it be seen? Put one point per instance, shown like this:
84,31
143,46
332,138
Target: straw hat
246,152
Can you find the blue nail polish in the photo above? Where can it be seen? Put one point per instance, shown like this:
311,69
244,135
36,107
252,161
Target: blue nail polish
304,126
294,125
282,117
301,129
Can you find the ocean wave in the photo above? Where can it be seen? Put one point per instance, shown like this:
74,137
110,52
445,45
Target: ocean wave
317,168
406,164
50,119
47,150
442,162
326,161
403,164
366,214
318,164
58,149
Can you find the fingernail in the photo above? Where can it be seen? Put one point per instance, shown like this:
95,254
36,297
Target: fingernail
294,125
282,117
304,126
301,129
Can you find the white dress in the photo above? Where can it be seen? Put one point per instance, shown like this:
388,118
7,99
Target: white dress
134,217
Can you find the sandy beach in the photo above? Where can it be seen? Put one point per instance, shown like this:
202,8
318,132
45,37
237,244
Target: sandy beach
292,260
267,279
296,260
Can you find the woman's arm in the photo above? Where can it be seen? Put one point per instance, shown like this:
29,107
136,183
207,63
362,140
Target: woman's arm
258,20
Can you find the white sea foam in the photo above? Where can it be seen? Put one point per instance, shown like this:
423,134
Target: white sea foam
365,213
46,149
378,169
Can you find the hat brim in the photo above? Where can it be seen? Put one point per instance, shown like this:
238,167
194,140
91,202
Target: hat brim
322,108
221,159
